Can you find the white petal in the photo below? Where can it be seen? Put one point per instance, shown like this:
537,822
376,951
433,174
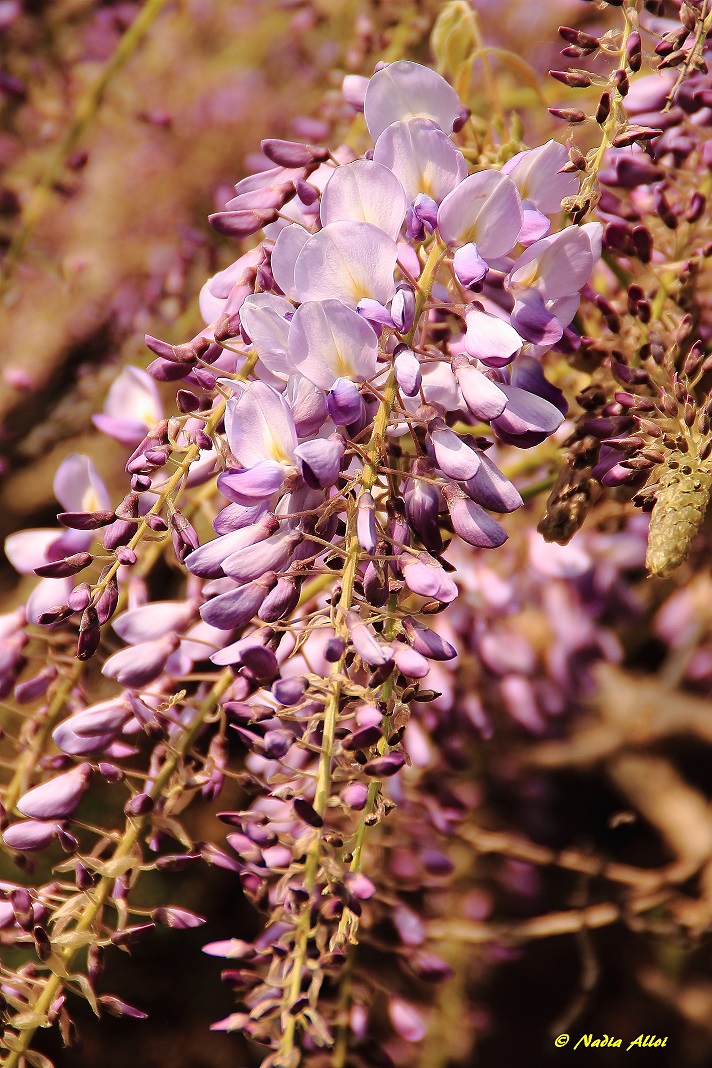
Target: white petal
405,90
364,191
347,261
422,158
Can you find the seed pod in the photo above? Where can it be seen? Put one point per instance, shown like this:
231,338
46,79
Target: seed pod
682,500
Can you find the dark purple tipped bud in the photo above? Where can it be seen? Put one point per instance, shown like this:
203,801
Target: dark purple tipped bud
281,601
366,522
344,402
429,968
239,224
363,738
126,556
106,605
461,119
307,193
289,691
35,687
181,919
307,812
422,505
95,964
22,907
574,81
116,1007
184,536
89,634
643,242
334,650
43,945
187,402
85,520
634,51
57,614
83,878
130,935
293,154
635,133
621,79
427,642
579,38
573,115
385,766
604,108
70,565
139,805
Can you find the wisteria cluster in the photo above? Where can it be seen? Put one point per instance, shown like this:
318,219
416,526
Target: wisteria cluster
334,649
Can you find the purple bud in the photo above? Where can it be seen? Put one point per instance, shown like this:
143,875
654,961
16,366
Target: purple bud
207,560
70,565
293,154
384,766
139,665
355,795
344,402
106,605
281,601
403,308
289,691
139,805
234,609
181,919
469,267
366,522
334,649
471,522
252,561
307,812
85,520
427,642
56,798
241,224
407,370
184,536
422,505
453,454
36,686
29,835
116,1007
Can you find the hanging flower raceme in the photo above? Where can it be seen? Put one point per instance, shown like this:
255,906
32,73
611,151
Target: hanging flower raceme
336,412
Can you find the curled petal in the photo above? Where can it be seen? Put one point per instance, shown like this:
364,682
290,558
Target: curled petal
235,608
482,396
492,489
428,580
258,483
471,522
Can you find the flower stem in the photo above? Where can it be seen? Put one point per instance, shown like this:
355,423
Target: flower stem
96,899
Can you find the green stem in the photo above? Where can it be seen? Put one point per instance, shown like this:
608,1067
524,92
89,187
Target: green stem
97,898
374,454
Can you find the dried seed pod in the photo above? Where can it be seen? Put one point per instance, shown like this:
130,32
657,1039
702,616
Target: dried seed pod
682,499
